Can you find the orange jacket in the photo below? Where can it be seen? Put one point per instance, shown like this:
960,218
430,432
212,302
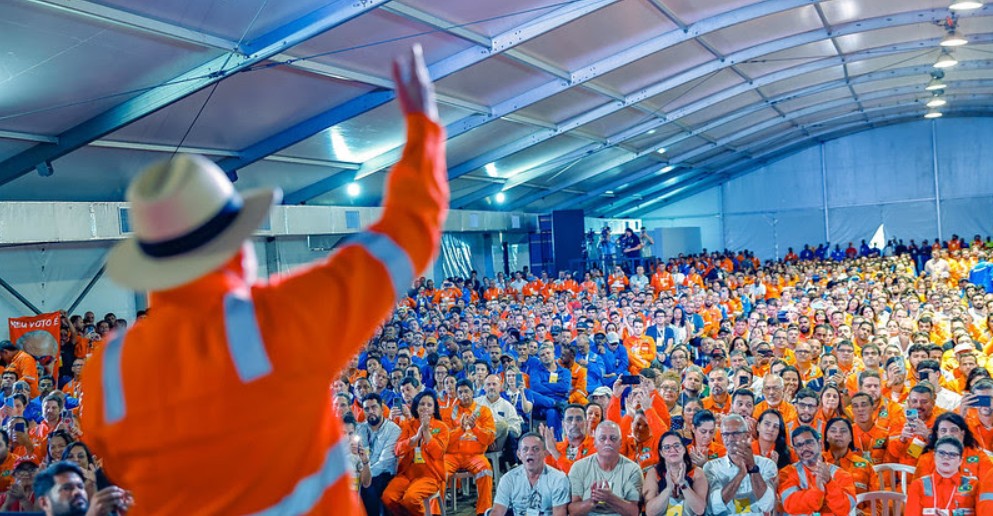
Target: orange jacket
641,352
433,453
27,370
578,391
474,441
975,463
183,410
935,491
872,444
861,470
785,409
800,494
564,464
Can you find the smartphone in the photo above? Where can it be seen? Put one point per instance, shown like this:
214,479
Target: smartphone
831,372
911,413
520,380
19,427
9,402
677,423
742,381
922,376
983,401
67,416
410,374
630,379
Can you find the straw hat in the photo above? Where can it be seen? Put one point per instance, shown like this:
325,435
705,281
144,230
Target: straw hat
188,220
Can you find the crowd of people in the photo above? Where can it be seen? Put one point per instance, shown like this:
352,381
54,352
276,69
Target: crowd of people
703,384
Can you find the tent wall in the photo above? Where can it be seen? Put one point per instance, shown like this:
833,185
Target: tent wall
922,180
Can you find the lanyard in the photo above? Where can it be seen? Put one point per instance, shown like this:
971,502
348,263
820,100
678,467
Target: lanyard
950,496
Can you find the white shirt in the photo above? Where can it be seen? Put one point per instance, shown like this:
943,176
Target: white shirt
719,473
516,492
503,411
948,400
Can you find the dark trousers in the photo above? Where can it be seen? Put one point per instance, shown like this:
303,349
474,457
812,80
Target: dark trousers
372,496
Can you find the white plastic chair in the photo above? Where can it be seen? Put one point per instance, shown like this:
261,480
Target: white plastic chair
441,503
894,478
881,503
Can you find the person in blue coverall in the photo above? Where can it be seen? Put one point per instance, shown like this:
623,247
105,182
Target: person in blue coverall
550,385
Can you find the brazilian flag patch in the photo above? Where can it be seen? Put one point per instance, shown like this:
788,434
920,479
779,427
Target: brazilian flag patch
884,413
966,486
859,464
880,443
971,459
434,431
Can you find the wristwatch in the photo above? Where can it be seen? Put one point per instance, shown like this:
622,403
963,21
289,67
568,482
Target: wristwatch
753,470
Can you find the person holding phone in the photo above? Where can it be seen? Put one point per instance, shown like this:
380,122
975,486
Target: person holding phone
977,408
907,443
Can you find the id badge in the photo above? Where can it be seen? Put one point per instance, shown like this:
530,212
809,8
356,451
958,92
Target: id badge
418,456
534,512
742,505
675,509
553,378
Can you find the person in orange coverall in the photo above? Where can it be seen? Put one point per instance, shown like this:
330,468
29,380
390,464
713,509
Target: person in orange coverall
420,458
472,430
174,404
946,491
813,485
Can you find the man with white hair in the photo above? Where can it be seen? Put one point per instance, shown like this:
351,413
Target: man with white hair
608,482
740,482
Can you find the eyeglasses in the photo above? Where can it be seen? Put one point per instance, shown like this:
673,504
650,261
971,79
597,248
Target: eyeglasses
804,444
734,435
806,405
947,454
671,447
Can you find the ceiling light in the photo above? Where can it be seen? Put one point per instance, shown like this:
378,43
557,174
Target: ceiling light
667,168
652,131
945,60
936,101
661,151
935,84
491,169
500,197
954,39
964,5
353,189
932,114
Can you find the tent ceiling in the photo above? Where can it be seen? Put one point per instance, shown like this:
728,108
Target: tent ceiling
555,103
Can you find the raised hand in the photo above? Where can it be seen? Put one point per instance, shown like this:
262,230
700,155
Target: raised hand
415,90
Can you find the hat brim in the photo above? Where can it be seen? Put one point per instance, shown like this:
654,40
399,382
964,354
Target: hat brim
130,267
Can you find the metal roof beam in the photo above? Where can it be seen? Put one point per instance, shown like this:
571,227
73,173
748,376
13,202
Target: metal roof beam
709,67
265,46
438,70
643,196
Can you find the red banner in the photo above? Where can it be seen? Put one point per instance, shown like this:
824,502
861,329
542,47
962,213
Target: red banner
38,335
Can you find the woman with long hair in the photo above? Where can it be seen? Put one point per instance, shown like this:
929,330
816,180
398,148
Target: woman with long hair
674,481
420,458
792,382
771,442
830,403
705,447
681,325
58,441
839,449
975,461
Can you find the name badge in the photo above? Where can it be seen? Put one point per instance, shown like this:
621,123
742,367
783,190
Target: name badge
418,456
675,508
742,505
553,378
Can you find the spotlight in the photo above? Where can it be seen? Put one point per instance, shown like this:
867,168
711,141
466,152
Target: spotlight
945,60
353,189
937,82
936,101
954,39
491,169
964,5
500,197
932,114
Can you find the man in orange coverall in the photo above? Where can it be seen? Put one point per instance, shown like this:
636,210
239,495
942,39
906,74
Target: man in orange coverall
813,485
472,431
175,405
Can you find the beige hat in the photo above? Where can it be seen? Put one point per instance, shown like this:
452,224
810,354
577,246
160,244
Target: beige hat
187,220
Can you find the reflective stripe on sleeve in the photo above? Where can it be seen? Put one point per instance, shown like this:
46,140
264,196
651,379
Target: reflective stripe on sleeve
986,497
309,490
391,255
787,493
245,339
114,407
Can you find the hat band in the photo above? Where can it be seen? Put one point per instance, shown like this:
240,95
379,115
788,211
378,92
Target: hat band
199,236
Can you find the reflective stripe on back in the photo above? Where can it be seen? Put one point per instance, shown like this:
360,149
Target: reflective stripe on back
392,256
113,386
245,339
309,490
